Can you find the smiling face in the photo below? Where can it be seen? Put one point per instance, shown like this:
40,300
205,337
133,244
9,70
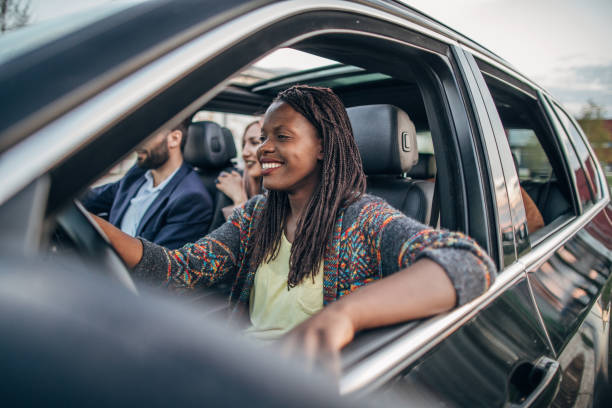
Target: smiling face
290,152
250,143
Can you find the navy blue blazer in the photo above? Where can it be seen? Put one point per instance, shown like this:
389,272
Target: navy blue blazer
181,213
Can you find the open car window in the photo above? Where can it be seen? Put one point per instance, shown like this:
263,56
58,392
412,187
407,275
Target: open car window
546,193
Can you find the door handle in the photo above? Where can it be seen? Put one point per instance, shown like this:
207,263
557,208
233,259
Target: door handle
539,376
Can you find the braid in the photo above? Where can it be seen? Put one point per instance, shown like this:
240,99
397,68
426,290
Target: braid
342,182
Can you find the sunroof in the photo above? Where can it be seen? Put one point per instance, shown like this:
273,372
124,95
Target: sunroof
286,60
287,66
280,63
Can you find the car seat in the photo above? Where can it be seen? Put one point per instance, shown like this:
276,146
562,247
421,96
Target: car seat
549,199
547,196
386,138
209,148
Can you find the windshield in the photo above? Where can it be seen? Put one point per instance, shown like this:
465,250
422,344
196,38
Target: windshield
18,42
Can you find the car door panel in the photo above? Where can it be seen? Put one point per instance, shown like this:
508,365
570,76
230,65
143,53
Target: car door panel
517,210
566,279
475,365
501,207
489,359
572,291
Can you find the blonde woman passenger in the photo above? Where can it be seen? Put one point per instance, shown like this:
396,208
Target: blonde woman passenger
239,188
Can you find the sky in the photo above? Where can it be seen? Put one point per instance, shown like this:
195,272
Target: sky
563,45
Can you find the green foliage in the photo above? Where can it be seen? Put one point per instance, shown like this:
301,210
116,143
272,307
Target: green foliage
13,14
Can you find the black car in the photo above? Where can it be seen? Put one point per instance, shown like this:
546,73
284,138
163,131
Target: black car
495,151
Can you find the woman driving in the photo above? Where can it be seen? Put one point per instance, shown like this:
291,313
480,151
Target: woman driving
316,257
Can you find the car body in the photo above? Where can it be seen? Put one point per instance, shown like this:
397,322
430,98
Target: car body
75,103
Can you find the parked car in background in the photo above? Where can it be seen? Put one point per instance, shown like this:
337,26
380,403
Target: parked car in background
494,150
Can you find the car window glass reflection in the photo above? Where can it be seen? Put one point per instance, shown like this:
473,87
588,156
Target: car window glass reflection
545,195
581,150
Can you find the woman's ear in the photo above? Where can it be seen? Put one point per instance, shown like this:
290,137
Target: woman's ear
320,154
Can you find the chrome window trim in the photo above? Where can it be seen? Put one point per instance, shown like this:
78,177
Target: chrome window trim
106,108
540,253
549,230
508,84
504,68
406,349
399,354
501,202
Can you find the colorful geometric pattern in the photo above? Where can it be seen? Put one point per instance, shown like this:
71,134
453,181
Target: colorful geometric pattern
430,239
354,256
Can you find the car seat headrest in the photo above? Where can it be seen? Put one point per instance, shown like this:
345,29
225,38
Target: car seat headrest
425,167
229,142
208,146
386,138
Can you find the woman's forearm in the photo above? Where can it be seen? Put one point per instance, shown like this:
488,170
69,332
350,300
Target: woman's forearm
128,247
421,290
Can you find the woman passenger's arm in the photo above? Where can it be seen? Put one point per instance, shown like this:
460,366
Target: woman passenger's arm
232,185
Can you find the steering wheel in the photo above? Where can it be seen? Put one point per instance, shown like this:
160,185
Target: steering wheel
78,230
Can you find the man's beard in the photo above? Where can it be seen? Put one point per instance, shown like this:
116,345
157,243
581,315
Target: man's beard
155,157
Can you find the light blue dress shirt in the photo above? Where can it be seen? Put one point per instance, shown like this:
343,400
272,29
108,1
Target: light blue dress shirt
141,202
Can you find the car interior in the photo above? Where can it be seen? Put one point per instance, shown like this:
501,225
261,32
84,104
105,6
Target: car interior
387,141
397,111
209,149
535,152
388,118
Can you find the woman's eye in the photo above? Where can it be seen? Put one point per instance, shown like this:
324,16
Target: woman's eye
254,141
282,137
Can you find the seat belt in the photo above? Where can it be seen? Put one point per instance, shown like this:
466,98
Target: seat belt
435,205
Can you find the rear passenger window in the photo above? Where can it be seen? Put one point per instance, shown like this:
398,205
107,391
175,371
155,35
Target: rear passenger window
544,188
529,156
583,153
578,174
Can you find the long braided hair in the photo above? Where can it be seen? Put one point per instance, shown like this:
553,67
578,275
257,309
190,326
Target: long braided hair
342,181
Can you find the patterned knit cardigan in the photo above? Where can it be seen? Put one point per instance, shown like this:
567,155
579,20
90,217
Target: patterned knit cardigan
370,240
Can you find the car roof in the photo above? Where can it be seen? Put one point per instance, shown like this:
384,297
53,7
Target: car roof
47,81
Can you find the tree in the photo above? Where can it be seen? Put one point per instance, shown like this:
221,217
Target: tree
13,14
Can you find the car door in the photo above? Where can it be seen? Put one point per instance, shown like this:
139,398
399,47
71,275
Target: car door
493,351
576,314
568,259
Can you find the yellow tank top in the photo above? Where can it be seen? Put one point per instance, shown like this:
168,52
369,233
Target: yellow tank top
273,309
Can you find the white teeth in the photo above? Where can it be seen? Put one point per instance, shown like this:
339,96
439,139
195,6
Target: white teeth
270,165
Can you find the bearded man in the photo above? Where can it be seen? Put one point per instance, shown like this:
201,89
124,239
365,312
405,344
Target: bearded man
161,198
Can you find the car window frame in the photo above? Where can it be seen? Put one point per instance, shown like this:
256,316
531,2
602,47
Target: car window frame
504,227
556,148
